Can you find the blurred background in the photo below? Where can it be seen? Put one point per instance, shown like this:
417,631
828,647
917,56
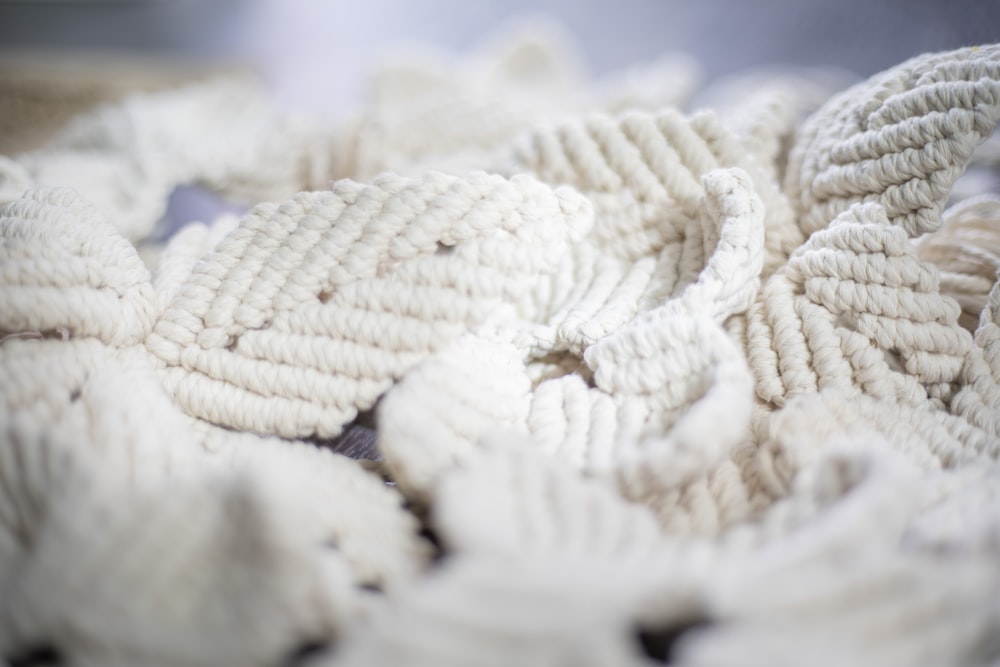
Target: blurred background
316,53
61,57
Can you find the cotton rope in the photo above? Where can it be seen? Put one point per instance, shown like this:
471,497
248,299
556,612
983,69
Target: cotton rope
647,382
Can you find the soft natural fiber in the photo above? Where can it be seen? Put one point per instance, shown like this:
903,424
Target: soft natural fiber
712,388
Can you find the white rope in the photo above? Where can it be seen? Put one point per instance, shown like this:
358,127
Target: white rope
537,508
854,569
645,170
81,399
322,491
427,112
127,158
152,571
855,309
900,139
492,612
309,311
175,262
690,385
630,425
65,267
979,399
966,250
434,418
853,546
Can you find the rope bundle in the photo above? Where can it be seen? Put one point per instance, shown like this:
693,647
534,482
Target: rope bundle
712,388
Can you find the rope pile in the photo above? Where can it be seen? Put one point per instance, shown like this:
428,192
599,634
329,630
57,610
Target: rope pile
645,382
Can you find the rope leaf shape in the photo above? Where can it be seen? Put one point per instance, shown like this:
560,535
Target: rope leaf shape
900,139
63,267
856,310
311,309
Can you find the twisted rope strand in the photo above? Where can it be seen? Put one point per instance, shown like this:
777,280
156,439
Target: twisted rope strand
900,140
560,358
309,323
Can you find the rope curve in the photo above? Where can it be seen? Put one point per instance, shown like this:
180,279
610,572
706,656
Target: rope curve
718,387
855,309
309,310
901,140
65,267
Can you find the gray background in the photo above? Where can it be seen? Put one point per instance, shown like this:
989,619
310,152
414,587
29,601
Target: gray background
315,53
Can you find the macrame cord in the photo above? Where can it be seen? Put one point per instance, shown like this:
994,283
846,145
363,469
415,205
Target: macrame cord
719,387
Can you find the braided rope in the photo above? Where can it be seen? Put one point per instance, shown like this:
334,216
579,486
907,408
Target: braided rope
380,547
64,267
175,262
309,310
491,612
144,439
128,157
433,419
979,399
855,309
454,408
900,140
855,568
966,250
858,505
645,169
561,359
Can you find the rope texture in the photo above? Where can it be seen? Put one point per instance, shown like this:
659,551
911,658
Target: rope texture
718,387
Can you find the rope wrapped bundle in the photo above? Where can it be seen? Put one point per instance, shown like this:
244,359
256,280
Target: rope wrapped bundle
630,382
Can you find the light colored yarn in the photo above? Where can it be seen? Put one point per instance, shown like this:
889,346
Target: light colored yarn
643,169
106,405
340,510
310,310
853,546
930,438
65,267
174,263
979,400
764,108
86,466
158,570
634,400
649,429
491,612
127,157
966,250
433,419
900,140
539,508
688,405
855,309
427,111
889,598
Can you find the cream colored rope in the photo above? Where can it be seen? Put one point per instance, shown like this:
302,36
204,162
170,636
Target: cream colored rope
718,387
